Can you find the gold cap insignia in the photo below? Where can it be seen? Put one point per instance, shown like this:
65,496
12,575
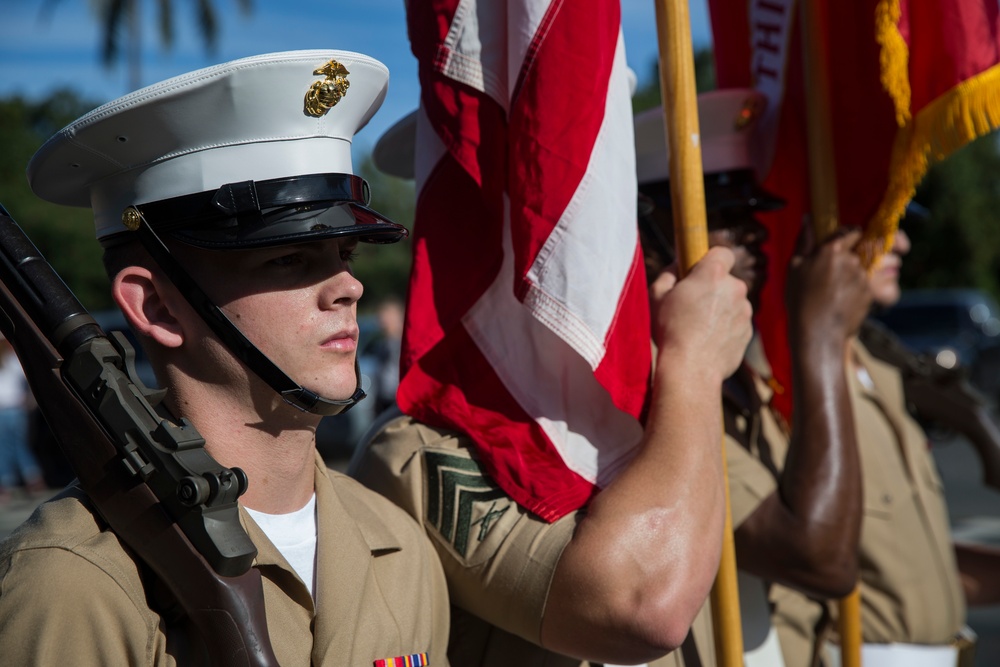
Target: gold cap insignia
324,95
751,109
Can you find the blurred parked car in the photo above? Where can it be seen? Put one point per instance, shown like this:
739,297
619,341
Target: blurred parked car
960,327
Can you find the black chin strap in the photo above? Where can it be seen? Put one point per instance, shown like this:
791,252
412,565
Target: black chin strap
291,392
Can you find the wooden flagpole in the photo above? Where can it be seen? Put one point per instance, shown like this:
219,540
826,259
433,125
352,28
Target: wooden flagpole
687,190
825,217
822,175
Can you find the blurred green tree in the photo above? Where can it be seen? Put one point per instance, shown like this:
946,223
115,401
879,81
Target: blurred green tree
647,94
64,235
959,245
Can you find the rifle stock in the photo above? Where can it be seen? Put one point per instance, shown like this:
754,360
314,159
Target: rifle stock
150,479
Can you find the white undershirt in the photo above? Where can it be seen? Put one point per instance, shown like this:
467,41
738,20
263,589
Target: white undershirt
294,534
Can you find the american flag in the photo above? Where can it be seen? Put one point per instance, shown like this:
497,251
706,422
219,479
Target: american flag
527,321
910,82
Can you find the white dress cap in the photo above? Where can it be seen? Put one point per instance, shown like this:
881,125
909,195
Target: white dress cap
726,122
265,117
395,151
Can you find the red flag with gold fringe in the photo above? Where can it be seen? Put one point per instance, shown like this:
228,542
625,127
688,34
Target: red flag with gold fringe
910,82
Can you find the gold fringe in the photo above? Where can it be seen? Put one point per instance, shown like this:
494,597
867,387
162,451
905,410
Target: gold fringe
965,112
894,58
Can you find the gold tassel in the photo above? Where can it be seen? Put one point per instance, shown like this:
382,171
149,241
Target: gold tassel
894,58
965,112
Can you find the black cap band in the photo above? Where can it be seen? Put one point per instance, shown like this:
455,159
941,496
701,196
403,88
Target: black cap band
281,211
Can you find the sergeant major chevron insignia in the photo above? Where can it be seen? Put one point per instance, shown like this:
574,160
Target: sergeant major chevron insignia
462,503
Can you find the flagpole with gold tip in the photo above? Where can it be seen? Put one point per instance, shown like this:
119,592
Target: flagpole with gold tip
825,219
687,191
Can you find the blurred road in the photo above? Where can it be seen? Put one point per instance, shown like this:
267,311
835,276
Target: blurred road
974,510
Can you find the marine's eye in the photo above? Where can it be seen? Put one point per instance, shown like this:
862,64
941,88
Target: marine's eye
349,252
286,260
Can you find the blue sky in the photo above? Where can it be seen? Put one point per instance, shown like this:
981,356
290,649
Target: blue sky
39,55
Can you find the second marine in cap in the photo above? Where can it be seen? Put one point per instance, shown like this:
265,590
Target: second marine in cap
795,490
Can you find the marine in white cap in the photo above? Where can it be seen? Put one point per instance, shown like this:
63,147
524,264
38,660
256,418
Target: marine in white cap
229,212
795,493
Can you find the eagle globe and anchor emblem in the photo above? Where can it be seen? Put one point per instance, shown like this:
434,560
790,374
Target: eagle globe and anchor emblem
324,95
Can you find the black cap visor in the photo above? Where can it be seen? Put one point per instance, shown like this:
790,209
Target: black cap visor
290,224
257,214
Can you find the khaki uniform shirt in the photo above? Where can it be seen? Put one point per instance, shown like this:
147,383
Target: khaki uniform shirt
498,558
756,444
71,594
910,590
800,621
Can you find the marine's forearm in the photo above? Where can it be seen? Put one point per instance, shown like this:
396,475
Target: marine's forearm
643,560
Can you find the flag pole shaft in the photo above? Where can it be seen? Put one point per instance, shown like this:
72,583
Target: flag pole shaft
680,109
687,190
822,174
849,626
825,218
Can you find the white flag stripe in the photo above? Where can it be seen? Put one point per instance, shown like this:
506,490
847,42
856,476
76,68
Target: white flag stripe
772,25
476,57
588,258
523,19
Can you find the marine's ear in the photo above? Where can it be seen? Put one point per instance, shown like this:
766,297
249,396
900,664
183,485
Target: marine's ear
151,303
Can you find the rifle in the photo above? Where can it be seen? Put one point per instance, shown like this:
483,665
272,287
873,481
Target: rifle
939,394
149,478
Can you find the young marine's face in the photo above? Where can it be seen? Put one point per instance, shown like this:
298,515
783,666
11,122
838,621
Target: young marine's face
296,303
883,279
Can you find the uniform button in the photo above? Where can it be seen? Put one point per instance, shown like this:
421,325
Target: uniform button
886,499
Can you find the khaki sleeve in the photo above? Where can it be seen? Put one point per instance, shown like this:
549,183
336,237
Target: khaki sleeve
750,482
498,558
57,608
